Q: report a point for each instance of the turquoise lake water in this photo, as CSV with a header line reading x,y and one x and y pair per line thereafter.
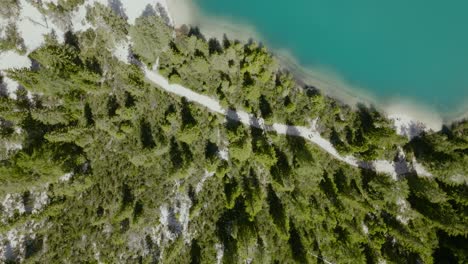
x,y
411,49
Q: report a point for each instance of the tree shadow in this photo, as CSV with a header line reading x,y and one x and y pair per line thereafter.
x,y
336,141
341,181
33,246
397,253
311,91
127,196
449,247
9,253
3,88
129,100
365,117
35,65
124,225
276,209
195,31
256,126
187,118
117,8
424,149
99,211
298,144
367,173
233,120
211,150
234,219
35,132
329,189
214,46
297,247
137,210
88,115
71,39
163,13
28,201
146,135
265,108
149,11
195,252
175,154
112,106
6,127
281,170
247,80
226,42
173,224
93,65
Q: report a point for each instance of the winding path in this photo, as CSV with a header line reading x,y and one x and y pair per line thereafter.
x,y
308,133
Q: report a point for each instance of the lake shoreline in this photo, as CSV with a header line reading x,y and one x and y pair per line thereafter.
x,y
186,12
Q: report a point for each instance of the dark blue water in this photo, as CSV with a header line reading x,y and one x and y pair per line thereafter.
x,y
411,49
